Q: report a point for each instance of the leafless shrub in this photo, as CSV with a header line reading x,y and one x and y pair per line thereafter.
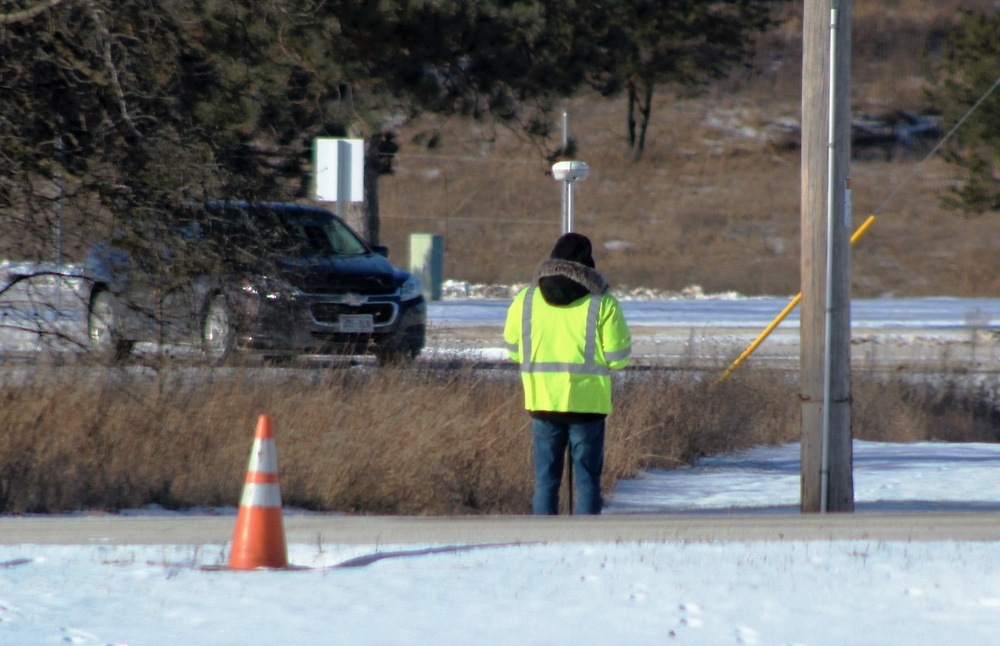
x,y
947,408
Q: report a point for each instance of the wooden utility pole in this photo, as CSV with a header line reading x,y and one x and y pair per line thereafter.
x,y
825,342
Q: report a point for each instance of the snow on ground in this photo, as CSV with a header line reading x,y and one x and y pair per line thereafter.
x,y
710,592
888,477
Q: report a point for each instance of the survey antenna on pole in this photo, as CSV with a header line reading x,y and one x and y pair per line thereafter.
x,y
569,172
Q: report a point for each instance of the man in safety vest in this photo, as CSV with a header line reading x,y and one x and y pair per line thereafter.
x,y
568,333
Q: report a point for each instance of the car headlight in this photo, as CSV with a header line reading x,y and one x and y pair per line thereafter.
x,y
411,288
268,288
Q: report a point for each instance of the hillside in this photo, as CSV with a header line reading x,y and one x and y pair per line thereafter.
x,y
715,200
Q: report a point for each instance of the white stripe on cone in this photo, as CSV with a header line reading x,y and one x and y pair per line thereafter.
x,y
261,495
264,457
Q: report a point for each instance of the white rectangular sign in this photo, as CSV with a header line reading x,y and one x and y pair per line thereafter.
x,y
330,157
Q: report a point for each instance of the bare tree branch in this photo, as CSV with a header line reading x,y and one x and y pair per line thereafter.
x,y
27,14
109,63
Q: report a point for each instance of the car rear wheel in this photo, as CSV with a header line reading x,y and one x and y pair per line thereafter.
x,y
218,335
105,329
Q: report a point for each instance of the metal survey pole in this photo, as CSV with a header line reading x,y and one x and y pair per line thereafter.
x,y
567,192
567,226
568,172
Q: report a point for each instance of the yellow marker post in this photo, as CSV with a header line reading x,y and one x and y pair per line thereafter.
x,y
785,312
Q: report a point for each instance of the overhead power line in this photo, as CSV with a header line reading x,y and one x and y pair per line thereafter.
x,y
940,143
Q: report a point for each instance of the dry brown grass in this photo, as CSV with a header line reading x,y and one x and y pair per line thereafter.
x,y
946,409
706,205
392,441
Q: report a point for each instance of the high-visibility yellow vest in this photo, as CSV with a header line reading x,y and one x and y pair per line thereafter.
x,y
566,353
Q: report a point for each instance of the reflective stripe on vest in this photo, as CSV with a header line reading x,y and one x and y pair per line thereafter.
x,y
589,365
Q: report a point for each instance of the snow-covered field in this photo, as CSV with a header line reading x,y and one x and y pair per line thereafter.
x,y
697,592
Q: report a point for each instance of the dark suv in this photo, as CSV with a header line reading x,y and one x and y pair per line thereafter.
x,y
276,279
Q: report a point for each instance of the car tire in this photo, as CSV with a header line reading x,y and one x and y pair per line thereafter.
x,y
218,334
105,328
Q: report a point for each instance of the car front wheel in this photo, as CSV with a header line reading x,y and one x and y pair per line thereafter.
x,y
218,334
105,328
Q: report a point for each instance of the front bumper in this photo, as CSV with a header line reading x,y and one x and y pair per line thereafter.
x,y
311,324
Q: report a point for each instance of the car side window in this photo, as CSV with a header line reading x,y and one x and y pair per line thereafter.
x,y
344,243
316,241
319,238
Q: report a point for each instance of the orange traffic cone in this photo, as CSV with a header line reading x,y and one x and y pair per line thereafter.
x,y
259,539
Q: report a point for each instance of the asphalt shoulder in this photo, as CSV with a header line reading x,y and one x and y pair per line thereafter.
x,y
185,529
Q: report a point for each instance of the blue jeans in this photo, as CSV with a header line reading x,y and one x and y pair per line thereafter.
x,y
586,442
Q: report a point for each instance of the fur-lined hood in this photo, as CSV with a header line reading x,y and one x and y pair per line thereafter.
x,y
564,281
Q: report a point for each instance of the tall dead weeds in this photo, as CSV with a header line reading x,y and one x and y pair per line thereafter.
x,y
413,441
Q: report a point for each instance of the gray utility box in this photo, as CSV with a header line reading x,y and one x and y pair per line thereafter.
x,y
427,262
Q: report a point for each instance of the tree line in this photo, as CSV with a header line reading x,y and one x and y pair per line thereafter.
x,y
114,112
125,108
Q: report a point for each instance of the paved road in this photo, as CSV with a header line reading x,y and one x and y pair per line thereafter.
x,y
475,530
45,317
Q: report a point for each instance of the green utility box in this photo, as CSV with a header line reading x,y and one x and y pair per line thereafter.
x,y
427,262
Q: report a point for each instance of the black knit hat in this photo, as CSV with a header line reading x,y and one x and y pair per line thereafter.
x,y
574,247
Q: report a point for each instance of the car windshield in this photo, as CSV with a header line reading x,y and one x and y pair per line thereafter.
x,y
317,237
291,234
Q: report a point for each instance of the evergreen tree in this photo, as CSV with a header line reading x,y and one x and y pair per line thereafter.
x,y
129,107
88,118
136,105
646,44
969,73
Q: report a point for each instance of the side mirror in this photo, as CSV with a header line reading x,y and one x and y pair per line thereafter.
x,y
381,250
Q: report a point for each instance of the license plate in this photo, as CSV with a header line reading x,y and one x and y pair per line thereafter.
x,y
356,323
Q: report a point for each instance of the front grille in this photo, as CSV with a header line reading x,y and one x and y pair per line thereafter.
x,y
329,313
334,284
